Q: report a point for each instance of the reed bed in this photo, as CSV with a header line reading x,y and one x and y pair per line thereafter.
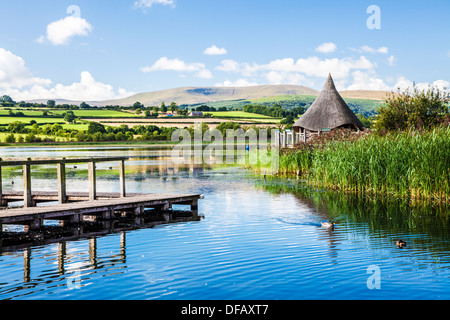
x,y
413,164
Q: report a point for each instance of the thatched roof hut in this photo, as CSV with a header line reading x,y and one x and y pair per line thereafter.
x,y
329,111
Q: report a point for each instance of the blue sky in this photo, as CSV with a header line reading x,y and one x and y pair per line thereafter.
x,y
109,49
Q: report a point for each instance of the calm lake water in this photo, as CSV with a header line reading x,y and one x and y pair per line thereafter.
x,y
259,239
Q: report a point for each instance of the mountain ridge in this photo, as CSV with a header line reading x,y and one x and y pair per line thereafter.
x,y
197,95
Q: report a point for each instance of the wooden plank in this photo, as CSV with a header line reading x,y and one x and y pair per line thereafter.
x,y
92,207
121,178
92,181
27,199
61,175
44,196
1,188
44,161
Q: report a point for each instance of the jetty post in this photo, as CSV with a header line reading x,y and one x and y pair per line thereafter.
x,y
27,197
61,176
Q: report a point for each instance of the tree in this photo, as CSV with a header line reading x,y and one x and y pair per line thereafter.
x,y
16,127
412,108
138,105
6,98
163,107
84,105
51,103
95,127
69,117
173,107
10,138
288,120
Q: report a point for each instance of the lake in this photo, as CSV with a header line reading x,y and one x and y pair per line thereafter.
x,y
258,239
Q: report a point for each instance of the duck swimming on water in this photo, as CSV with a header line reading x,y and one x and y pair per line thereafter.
x,y
328,224
401,243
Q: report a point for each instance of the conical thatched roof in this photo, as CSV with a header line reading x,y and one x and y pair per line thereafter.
x,y
329,111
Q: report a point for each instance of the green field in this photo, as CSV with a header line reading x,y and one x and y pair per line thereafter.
x,y
238,115
79,126
17,135
101,113
28,113
8,120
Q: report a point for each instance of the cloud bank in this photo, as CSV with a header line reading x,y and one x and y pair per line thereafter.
x,y
17,81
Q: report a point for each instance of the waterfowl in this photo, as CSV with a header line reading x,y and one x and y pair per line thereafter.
x,y
401,243
328,224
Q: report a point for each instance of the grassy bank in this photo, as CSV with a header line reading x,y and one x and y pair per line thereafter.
x,y
409,164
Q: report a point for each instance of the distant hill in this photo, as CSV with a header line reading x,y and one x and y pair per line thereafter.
x,y
196,95
192,95
364,101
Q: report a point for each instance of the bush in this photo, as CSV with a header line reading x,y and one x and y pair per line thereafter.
x,y
95,127
412,109
10,138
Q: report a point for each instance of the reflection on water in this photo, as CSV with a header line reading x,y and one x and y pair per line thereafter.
x,y
259,239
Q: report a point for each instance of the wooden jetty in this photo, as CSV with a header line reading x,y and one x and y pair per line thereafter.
x,y
73,208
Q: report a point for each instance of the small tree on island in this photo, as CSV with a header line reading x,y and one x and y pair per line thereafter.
x,y
413,108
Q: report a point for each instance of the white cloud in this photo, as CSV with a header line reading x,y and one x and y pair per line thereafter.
x,y
41,39
326,47
236,83
14,73
61,31
149,3
367,81
403,84
205,74
87,89
311,66
229,66
166,64
18,81
391,60
276,77
368,49
214,50
441,85
300,72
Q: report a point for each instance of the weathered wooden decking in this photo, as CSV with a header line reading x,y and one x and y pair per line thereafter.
x,y
33,217
53,196
73,206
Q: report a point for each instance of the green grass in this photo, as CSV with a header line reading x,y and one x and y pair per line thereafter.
x,y
101,113
78,126
409,164
8,120
406,164
28,113
17,135
238,115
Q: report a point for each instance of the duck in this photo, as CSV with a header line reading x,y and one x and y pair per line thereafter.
x,y
328,224
401,243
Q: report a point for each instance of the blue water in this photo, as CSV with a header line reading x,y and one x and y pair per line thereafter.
x,y
258,240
